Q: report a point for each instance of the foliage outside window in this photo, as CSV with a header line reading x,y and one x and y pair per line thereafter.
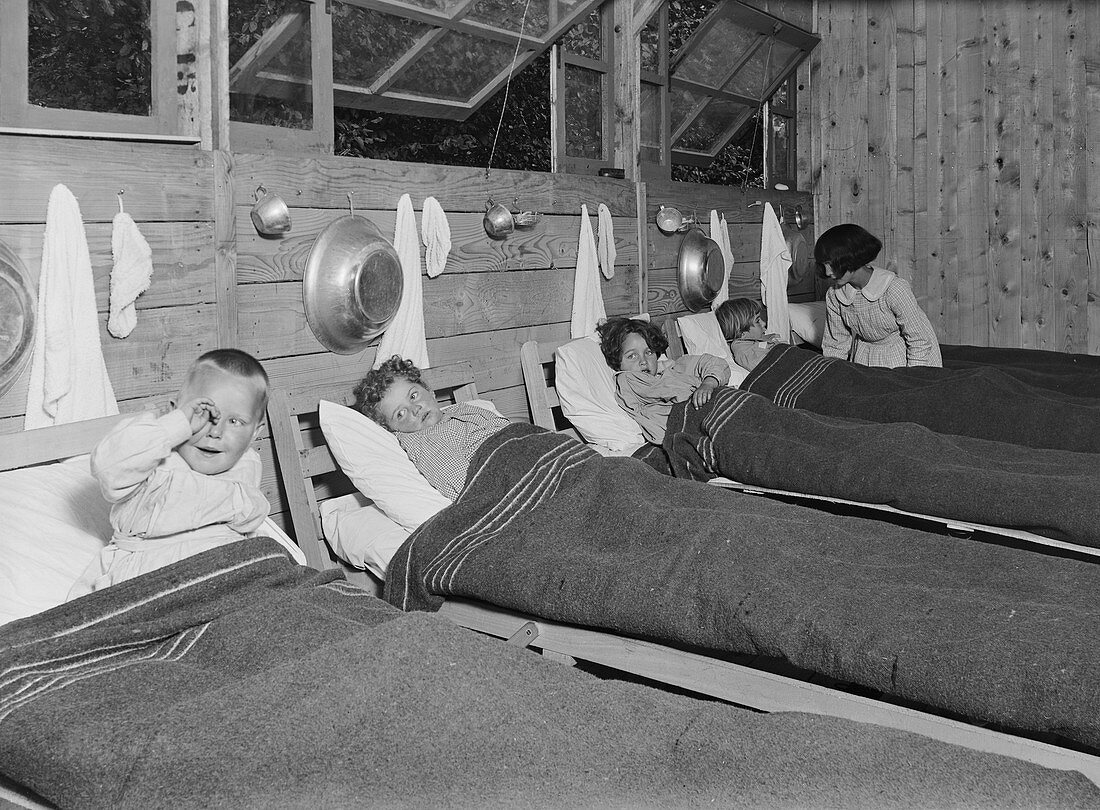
x,y
582,90
270,51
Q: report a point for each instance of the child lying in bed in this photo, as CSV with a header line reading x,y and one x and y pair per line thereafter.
x,y
742,321
187,481
441,442
632,348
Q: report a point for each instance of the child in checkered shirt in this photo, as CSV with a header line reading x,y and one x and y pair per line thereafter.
x,y
441,442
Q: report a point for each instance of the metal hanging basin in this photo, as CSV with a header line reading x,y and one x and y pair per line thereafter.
x,y
701,269
18,313
352,284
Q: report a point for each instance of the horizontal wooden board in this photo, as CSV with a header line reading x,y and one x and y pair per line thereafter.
x,y
162,182
735,204
663,249
152,360
272,322
552,242
183,260
664,291
314,181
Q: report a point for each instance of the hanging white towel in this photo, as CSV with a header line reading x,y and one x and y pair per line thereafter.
x,y
588,309
435,231
605,241
775,265
721,235
130,275
68,377
405,334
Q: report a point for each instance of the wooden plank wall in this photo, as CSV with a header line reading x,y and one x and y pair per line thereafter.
x,y
965,135
744,221
168,192
491,297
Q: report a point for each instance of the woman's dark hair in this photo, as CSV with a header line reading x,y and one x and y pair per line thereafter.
x,y
371,389
846,248
613,332
737,314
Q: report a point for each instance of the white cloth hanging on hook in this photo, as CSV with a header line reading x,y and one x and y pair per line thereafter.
x,y
588,308
68,376
435,232
775,265
405,334
719,232
131,272
605,241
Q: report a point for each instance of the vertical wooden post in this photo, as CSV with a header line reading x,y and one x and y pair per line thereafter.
x,y
324,123
213,72
225,250
627,89
643,248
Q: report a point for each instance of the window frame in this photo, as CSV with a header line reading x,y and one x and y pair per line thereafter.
x,y
560,60
17,113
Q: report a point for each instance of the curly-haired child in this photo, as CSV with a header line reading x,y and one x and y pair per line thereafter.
x,y
646,389
441,442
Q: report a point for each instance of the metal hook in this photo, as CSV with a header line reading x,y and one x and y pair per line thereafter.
x,y
121,191
351,204
755,203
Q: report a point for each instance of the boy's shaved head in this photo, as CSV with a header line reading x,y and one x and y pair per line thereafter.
x,y
235,362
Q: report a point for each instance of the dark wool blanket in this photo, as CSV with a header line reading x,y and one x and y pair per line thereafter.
x,y
750,439
983,402
237,679
548,527
1074,374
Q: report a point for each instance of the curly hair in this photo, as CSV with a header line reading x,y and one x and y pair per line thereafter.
x,y
371,389
613,332
845,248
736,315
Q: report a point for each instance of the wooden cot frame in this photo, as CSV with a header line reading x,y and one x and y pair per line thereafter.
x,y
963,528
290,411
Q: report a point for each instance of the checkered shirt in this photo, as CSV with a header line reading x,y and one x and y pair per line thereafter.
x,y
443,452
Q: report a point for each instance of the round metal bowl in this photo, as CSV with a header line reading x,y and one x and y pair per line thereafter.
x,y
701,269
18,312
352,284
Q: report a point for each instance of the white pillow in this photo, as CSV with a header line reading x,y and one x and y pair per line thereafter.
x,y
703,335
371,457
55,523
361,533
808,321
586,390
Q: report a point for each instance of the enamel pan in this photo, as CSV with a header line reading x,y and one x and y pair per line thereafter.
x,y
700,269
352,284
18,312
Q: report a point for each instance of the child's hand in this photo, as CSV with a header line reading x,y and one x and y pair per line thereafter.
x,y
703,393
201,412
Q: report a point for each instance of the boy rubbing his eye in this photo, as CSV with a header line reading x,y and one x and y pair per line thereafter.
x,y
441,442
187,481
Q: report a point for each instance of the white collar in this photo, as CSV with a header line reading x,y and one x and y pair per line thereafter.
x,y
873,290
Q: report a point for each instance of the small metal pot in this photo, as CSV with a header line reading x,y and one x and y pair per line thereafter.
x,y
270,214
498,220
701,269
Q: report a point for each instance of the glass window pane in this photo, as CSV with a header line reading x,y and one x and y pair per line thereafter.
x,y
583,113
586,37
716,53
508,15
752,79
682,105
366,43
779,98
650,45
781,147
270,69
713,123
684,16
90,56
651,115
456,67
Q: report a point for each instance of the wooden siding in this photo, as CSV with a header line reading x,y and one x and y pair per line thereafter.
x,y
959,132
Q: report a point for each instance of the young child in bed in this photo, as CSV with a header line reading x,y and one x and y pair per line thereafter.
x,y
647,389
441,442
187,481
742,321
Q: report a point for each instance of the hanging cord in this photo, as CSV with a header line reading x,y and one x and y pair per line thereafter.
x,y
760,109
507,87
